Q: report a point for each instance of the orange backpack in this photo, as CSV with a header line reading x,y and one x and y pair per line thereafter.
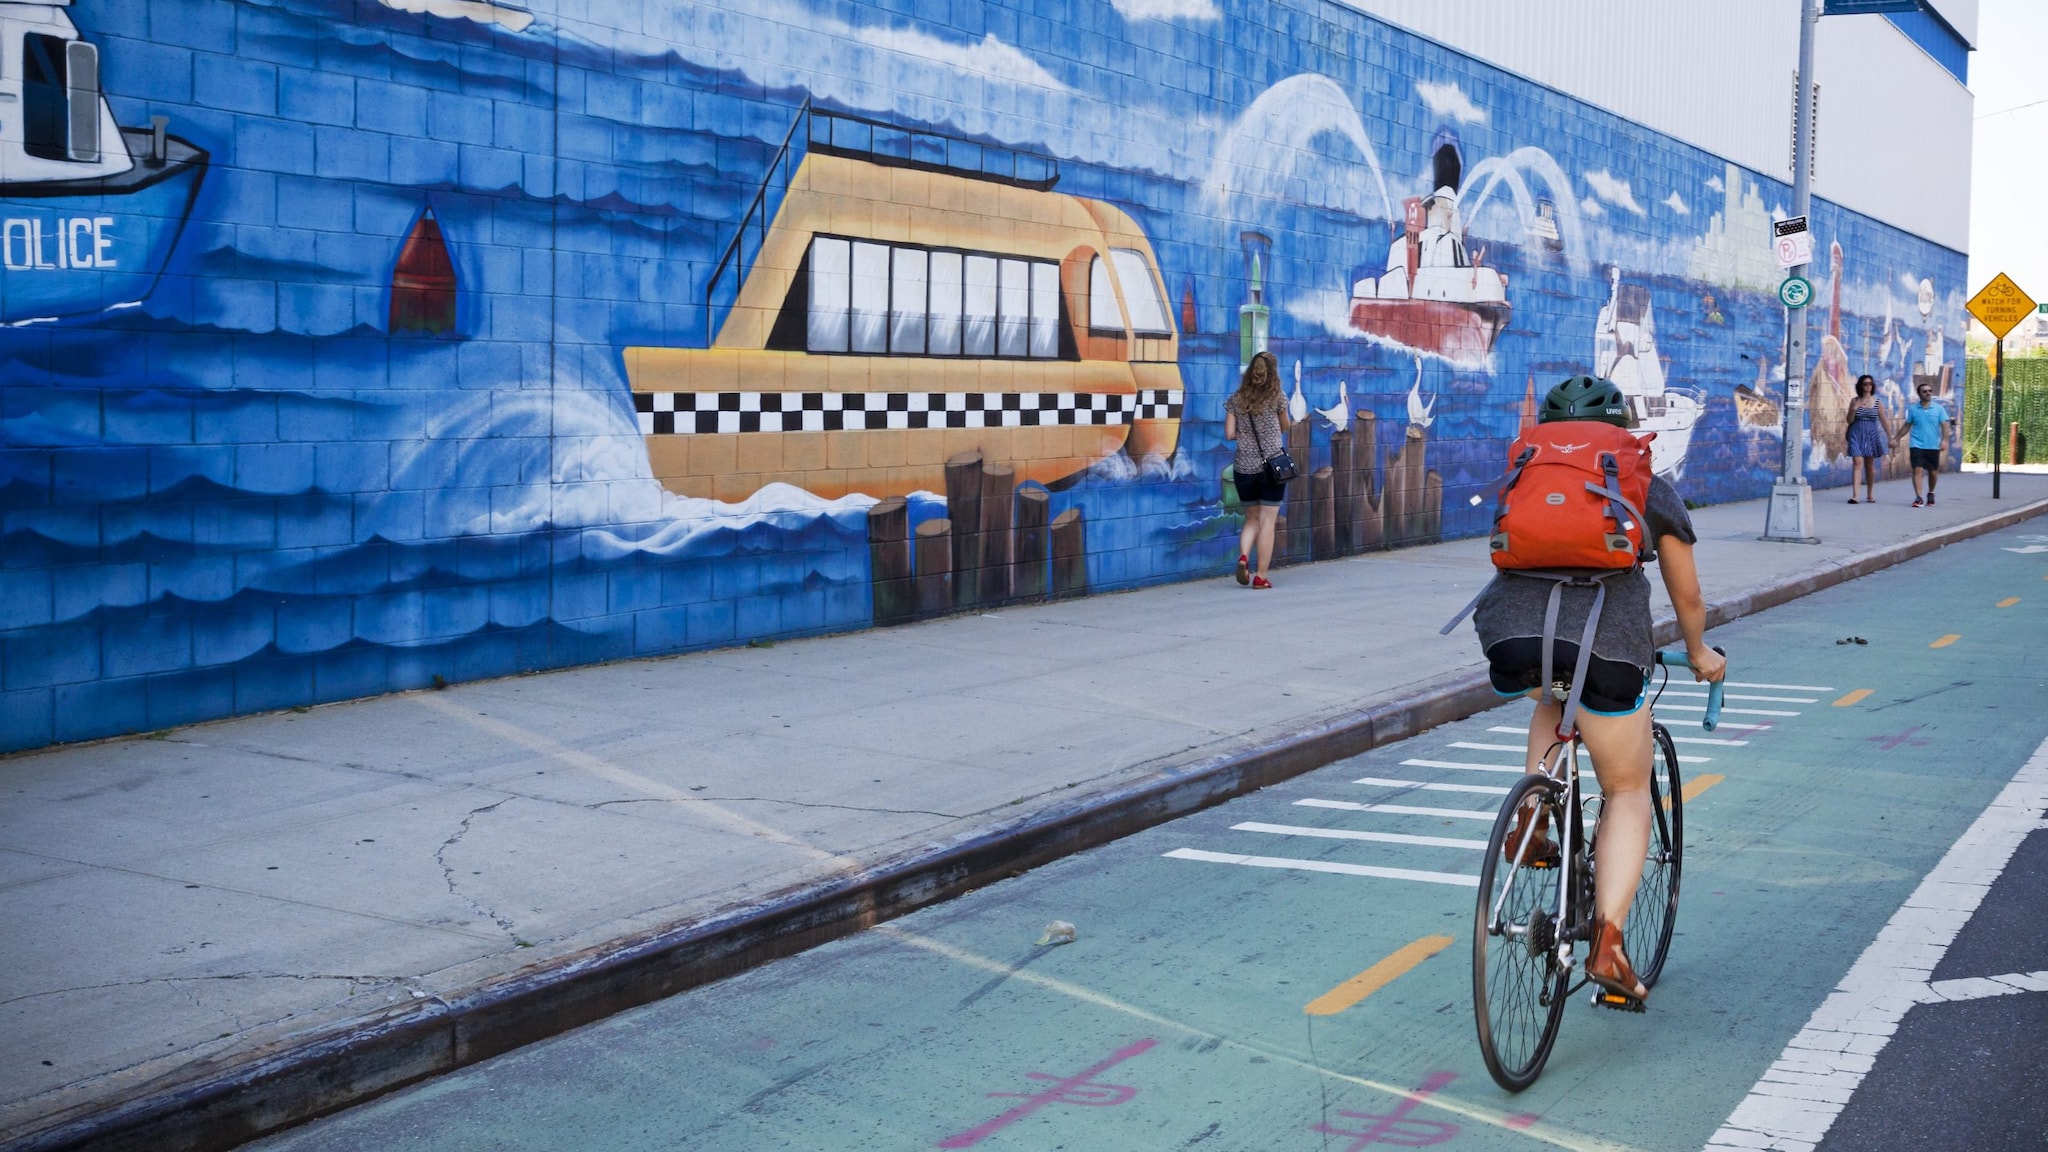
x,y
1574,498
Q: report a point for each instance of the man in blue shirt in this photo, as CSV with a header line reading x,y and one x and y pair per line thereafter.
x,y
1930,422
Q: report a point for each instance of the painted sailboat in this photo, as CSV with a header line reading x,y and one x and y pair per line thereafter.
x,y
1625,351
1433,296
914,297
89,210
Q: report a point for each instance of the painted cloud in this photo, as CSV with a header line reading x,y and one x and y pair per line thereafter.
x,y
1450,100
1136,10
988,56
1677,204
1614,190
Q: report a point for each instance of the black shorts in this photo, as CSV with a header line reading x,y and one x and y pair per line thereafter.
x,y
1612,688
1928,459
1258,488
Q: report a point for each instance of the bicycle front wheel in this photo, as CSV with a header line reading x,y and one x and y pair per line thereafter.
x,y
1647,935
1518,988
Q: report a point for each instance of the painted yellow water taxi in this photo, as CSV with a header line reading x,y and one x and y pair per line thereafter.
x,y
914,297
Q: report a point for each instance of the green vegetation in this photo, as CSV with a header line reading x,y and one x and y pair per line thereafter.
x,y
2026,403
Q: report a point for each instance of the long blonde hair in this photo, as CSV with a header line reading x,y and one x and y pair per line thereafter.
x,y
1256,395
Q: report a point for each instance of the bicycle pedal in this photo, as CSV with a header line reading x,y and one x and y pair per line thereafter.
x,y
1618,1002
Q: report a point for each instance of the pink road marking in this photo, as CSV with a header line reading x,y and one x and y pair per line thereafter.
x,y
1522,1120
1395,1127
1076,1089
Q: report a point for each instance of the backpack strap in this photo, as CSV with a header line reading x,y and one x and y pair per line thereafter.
x,y
1566,722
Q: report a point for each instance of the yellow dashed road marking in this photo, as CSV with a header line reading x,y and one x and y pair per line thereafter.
x,y
1699,784
1376,977
1857,696
2008,602
1947,640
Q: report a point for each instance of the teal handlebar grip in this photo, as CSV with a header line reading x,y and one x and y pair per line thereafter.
x,y
1712,721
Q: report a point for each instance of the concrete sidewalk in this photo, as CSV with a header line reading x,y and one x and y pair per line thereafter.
x,y
218,930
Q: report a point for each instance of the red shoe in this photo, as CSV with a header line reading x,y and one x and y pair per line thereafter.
x,y
1919,503
1608,966
1244,569
1261,582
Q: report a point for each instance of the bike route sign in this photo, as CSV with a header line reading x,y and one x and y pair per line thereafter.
x,y
1795,292
2001,305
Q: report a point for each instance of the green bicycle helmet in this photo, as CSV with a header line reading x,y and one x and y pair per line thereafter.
x,y
1586,398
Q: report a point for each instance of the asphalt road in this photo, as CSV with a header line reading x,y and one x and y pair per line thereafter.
x,y
1291,970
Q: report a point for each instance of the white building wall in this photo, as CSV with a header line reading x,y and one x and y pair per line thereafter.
x,y
1894,134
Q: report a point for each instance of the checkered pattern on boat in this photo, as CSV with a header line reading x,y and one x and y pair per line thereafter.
x,y
700,413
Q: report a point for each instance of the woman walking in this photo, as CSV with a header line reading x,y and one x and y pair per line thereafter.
x,y
1870,438
1256,417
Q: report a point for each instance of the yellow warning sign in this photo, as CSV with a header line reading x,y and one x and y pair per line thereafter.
x,y
2001,305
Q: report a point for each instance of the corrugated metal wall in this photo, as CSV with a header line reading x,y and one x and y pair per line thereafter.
x,y
1894,130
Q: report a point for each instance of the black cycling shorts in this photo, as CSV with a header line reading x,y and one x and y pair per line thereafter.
x,y
1612,687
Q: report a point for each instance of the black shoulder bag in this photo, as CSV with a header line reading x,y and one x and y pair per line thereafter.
x,y
1279,466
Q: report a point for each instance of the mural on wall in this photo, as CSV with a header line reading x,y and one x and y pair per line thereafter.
x,y
350,347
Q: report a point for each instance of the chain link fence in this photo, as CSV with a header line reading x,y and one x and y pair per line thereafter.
x,y
2026,404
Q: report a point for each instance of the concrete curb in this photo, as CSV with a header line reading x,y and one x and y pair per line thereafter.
x,y
216,1107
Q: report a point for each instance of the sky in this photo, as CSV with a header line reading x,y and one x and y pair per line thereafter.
x,y
2009,167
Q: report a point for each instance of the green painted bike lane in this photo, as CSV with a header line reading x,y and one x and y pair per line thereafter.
x,y
1178,1018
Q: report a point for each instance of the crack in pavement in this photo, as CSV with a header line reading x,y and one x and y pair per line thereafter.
x,y
373,980
774,800
448,870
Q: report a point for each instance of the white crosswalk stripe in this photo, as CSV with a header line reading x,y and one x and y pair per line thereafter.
x,y
1353,834
1743,696
1724,711
1379,782
1325,866
1464,766
1778,687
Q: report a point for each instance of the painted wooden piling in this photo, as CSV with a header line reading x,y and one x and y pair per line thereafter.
x,y
1299,509
1069,554
1034,542
998,548
895,596
1432,519
934,568
963,509
1368,524
1343,490
1322,484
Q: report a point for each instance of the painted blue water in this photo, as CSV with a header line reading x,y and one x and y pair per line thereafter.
x,y
245,493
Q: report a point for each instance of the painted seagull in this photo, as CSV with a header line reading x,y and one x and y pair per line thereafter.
x,y
1340,416
1297,404
1419,414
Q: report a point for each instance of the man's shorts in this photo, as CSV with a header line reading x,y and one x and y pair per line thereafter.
x,y
1612,687
1258,488
1928,459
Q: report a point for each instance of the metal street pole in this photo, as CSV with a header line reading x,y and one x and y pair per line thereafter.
x,y
1997,416
1790,517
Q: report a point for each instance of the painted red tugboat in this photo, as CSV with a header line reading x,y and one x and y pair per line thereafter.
x,y
1433,297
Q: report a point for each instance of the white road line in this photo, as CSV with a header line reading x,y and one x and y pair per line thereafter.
x,y
1349,834
1398,809
1779,687
1487,789
1470,746
1741,696
1515,769
1724,711
1797,1099
1709,740
1978,987
1678,739
1451,878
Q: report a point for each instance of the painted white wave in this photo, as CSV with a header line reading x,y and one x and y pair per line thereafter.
x,y
1515,171
481,11
1276,151
1450,100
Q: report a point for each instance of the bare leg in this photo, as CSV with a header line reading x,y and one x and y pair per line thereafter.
x,y
1248,537
1267,515
1919,484
1621,750
1870,478
1543,741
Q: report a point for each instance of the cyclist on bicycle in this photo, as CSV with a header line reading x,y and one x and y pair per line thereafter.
x,y
1510,617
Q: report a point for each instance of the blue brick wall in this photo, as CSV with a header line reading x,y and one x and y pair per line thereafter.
x,y
229,482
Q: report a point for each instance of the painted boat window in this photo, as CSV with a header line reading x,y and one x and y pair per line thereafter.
x,y
831,263
1148,311
1104,314
1045,310
979,336
870,297
896,299
907,303
1015,326
945,297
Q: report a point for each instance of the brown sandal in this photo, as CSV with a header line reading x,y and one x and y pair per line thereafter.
x,y
1608,966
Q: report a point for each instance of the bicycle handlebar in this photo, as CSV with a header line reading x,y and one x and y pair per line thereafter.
x,y
1674,659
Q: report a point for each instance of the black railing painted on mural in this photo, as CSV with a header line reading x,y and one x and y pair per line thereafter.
x,y
838,134
736,259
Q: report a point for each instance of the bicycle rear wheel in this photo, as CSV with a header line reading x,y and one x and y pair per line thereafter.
x,y
1518,989
1647,935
